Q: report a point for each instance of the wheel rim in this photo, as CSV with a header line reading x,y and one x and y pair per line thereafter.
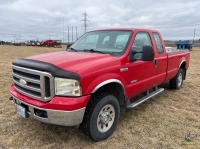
x,y
180,78
106,118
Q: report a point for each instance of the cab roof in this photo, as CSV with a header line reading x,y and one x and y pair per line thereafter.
x,y
128,29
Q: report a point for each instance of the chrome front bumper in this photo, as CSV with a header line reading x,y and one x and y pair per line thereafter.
x,y
57,117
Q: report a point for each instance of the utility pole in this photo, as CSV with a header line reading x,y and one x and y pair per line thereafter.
x,y
85,20
63,30
194,35
68,34
76,33
72,35
16,37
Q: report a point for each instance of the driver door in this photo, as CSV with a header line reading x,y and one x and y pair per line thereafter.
x,y
141,75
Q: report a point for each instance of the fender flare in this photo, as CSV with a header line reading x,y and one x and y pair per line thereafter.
x,y
107,82
181,63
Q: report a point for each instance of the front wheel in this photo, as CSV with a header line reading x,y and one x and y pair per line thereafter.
x,y
177,81
101,117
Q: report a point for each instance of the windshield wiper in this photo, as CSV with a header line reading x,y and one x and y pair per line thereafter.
x,y
73,49
93,50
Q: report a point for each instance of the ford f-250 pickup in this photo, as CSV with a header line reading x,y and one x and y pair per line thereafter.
x,y
90,83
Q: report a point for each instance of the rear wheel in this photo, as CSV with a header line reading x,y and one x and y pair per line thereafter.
x,y
101,117
177,81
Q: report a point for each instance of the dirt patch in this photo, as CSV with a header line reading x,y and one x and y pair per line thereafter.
x,y
161,122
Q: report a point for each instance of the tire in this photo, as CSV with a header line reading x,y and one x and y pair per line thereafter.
x,y
101,117
177,81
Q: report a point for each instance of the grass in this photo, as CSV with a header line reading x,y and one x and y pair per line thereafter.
x,y
161,122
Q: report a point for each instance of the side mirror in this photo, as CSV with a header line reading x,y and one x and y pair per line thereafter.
x,y
135,55
148,54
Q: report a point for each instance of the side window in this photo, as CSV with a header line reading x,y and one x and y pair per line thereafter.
x,y
158,43
141,40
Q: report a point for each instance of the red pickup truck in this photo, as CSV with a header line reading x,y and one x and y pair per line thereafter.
x,y
96,78
50,43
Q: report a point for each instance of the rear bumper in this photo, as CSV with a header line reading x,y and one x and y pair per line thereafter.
x,y
57,117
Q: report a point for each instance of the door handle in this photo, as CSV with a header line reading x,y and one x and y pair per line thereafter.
x,y
156,63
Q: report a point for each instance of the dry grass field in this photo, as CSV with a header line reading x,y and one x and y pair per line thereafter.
x,y
161,122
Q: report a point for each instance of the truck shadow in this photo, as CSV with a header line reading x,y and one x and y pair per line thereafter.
x,y
49,133
54,133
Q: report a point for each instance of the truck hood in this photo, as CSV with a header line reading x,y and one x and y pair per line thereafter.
x,y
78,62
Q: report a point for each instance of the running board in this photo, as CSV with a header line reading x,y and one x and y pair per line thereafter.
x,y
145,98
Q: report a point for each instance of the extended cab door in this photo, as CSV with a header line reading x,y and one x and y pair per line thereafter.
x,y
141,75
160,60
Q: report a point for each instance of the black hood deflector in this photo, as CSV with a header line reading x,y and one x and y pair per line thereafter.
x,y
46,67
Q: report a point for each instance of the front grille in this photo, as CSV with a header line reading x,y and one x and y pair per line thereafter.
x,y
33,83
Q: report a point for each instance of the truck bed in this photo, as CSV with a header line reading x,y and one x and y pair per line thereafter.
x,y
175,59
173,50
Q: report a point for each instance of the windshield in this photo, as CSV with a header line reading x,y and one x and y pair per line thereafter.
x,y
109,42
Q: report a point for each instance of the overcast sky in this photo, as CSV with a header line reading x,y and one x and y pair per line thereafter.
x,y
44,19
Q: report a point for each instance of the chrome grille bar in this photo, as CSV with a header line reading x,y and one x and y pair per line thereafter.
x,y
25,78
32,83
27,87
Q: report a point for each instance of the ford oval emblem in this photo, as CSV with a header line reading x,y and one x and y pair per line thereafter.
x,y
22,82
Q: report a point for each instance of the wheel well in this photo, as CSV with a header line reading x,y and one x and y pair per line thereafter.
x,y
115,89
183,66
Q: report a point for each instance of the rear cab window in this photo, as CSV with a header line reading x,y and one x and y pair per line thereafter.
x,y
158,43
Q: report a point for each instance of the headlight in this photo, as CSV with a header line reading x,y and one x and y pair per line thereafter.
x,y
67,87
